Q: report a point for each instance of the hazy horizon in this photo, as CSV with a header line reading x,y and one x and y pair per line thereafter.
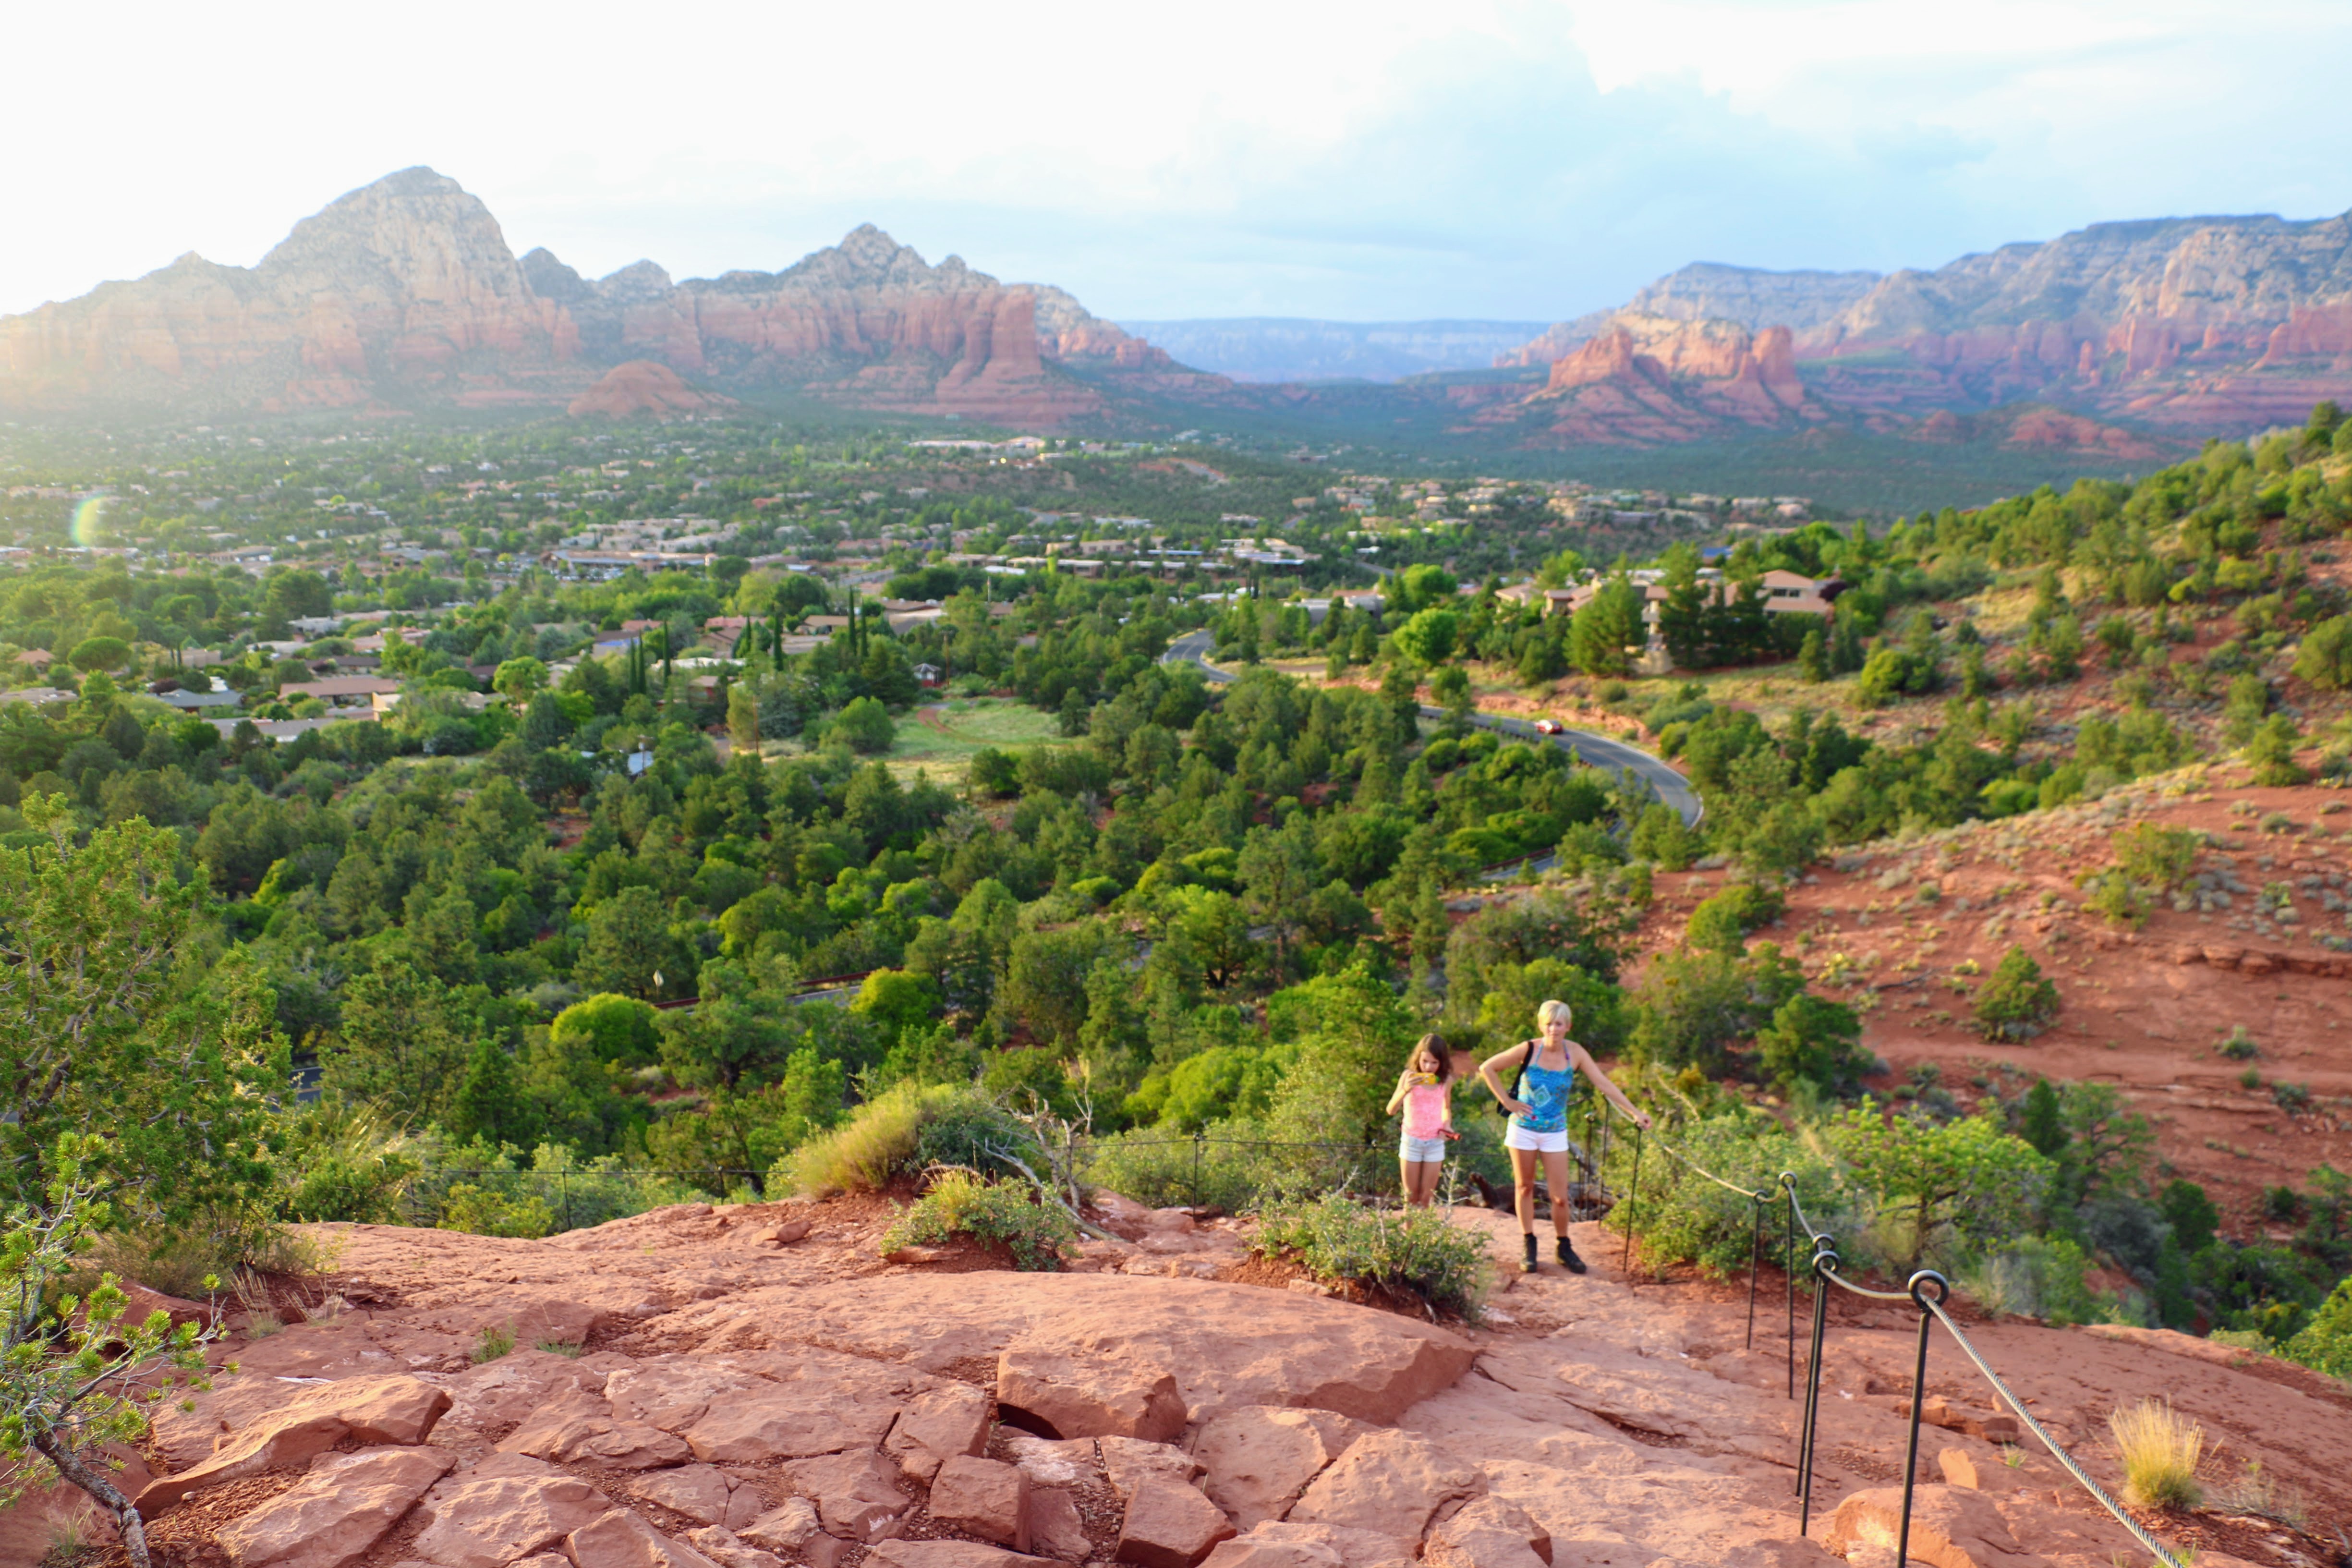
x,y
1501,162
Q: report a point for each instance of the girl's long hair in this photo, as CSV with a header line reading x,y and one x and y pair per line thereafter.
x,y
1433,1046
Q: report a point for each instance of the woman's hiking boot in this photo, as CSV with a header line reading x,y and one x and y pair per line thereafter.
x,y
1568,1257
1529,1266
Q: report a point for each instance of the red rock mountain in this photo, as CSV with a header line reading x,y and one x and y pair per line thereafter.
x,y
2195,324
404,294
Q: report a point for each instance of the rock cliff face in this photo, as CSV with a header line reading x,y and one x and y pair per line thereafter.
x,y
405,293
2195,323
1647,380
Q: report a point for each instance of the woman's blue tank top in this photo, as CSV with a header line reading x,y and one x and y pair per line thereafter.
x,y
1546,1093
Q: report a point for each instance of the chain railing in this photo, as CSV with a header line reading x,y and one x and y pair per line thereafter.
x,y
1925,1290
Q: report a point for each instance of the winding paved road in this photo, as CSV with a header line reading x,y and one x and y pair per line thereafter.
x,y
1593,751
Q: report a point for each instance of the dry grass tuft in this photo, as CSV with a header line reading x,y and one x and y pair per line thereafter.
x,y
2159,1448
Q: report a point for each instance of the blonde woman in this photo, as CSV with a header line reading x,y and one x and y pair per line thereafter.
x,y
1425,1089
1547,1068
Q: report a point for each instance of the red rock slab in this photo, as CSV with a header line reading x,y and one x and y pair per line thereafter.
x,y
1056,1527
338,1511
1228,1345
1055,1393
1494,1516
982,1497
1170,1526
949,1554
579,1429
936,1427
477,1519
786,1424
1351,1548
1391,1482
704,1494
395,1409
1950,1528
622,1539
1258,1457
857,1494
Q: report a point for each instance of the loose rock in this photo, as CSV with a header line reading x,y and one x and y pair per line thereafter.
x,y
1056,1393
937,1425
334,1514
986,1498
857,1495
1170,1525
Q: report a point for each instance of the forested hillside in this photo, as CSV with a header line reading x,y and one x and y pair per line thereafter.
x,y
675,919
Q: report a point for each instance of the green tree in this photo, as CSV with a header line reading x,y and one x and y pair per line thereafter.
x,y
866,725
743,719
1356,1032
516,678
74,1374
489,1106
2015,1003
115,1030
2325,659
2324,1344
1812,658
103,653
1813,1041
1725,919
617,1029
2194,1219
2042,1122
1601,635
1045,983
629,947
399,1047
1965,1174
1429,638
1419,587
896,1001
2272,753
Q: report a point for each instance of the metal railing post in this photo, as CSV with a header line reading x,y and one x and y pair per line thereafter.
x,y
1918,1407
1824,1258
1632,1205
1755,1252
1788,1265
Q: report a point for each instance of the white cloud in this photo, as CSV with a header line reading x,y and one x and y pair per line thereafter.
x,y
1519,158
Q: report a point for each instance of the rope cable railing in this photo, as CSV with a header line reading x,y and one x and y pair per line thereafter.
x,y
1925,1290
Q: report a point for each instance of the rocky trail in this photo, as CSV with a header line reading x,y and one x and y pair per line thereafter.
x,y
748,1387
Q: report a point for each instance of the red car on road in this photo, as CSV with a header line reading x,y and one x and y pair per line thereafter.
x,y
1547,727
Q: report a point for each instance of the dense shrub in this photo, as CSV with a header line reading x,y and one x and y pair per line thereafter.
x,y
2326,1342
2015,1003
1725,919
1415,1250
959,1203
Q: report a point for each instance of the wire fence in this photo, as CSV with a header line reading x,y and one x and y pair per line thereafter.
x,y
1926,1289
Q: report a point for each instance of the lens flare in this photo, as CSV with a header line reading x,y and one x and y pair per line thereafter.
x,y
89,520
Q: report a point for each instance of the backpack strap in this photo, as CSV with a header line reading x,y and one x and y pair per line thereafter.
x,y
1527,1049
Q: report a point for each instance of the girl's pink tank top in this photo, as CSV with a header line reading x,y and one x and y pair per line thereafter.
x,y
1424,1110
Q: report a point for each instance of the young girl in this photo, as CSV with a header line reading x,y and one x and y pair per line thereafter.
x,y
1425,1089
1546,1067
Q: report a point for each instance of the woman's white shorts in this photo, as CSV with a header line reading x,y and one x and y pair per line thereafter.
x,y
1420,1151
1517,1137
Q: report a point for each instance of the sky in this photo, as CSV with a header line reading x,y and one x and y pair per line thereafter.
x,y
1377,160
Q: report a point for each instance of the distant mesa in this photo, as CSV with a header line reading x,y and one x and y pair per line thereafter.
x,y
404,295
643,386
2181,323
